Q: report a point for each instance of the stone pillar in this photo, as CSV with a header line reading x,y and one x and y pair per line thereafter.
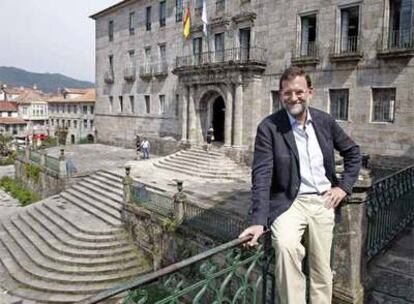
x,y
127,186
184,116
191,116
238,116
62,164
43,175
229,116
179,200
349,262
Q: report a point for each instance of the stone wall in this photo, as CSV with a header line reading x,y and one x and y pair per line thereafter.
x,y
48,182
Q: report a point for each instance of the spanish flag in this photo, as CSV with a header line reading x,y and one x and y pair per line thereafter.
x,y
187,23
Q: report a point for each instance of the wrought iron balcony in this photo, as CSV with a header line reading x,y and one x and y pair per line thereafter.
x,y
160,69
349,50
399,43
129,73
109,76
306,54
145,71
244,56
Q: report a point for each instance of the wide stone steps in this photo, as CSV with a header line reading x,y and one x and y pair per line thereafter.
x,y
69,246
62,230
96,209
104,234
198,162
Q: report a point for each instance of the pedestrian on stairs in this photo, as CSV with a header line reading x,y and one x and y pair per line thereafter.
x,y
145,145
210,137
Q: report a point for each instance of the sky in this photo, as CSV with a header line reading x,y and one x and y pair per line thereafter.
x,y
54,36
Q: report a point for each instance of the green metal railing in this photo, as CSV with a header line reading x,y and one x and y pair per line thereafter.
x,y
34,157
390,208
157,202
225,274
217,224
212,222
52,163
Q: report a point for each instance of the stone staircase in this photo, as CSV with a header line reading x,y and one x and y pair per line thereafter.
x,y
68,246
198,162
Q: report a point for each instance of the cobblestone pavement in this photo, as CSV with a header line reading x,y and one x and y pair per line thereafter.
x,y
88,158
392,273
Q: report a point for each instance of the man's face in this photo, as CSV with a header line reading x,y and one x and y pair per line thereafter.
x,y
296,95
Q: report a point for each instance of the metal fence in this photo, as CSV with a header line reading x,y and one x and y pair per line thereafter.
x,y
233,55
34,157
159,203
52,163
390,209
224,274
213,222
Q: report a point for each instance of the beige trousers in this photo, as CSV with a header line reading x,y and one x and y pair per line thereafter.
x,y
307,211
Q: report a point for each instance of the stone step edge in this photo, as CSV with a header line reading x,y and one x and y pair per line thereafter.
x,y
99,214
102,233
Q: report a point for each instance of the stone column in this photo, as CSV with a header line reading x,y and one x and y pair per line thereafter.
x,y
349,262
184,116
238,115
191,116
179,200
62,164
228,116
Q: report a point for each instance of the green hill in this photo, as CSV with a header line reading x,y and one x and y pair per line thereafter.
x,y
46,82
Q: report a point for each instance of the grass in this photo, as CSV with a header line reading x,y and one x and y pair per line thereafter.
x,y
18,191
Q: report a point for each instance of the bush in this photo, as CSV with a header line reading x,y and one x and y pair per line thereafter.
x,y
9,160
32,172
48,143
18,191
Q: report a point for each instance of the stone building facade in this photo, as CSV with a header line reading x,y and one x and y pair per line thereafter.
x,y
152,81
72,113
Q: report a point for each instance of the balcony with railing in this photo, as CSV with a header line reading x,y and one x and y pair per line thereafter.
x,y
399,43
129,73
109,76
253,56
349,50
306,54
160,69
145,71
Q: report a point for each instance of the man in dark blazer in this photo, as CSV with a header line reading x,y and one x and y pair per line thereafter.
x,y
295,188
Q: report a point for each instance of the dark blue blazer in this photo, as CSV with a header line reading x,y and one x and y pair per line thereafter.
x,y
276,172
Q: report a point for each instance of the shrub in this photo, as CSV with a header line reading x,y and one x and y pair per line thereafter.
x,y
18,191
9,160
32,172
48,143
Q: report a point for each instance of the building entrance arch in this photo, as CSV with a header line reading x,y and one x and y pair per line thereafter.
x,y
218,111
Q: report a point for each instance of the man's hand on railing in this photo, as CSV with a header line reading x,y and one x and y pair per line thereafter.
x,y
255,231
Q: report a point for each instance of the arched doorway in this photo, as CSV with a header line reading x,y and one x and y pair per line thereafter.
x,y
218,115
89,138
72,139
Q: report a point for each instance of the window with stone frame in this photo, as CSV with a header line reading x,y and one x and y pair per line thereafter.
x,y
162,104
85,123
162,13
198,7
111,103
177,104
111,30
148,18
75,124
383,104
147,104
276,102
308,36
121,103
131,23
349,29
91,109
400,24
339,103
85,109
179,10
132,103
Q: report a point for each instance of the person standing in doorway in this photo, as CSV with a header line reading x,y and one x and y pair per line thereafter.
x,y
295,188
210,137
145,145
